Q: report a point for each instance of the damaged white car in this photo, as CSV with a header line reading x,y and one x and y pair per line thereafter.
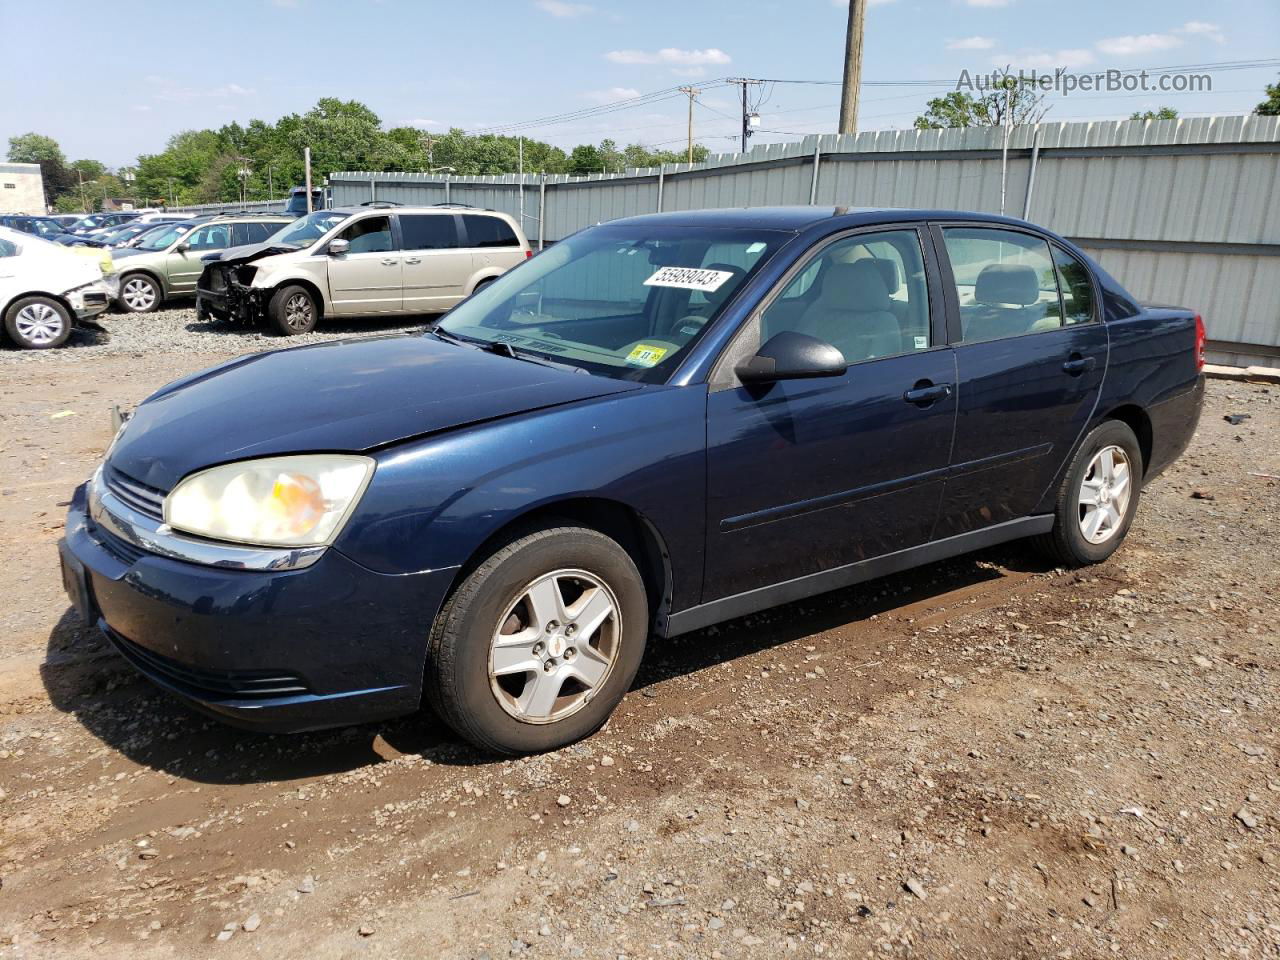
x,y
45,289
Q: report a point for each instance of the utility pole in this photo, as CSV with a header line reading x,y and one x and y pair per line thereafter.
x,y
306,161
521,174
852,67
748,119
692,94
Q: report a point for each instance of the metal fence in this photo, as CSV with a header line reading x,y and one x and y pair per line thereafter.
x,y
1181,211
249,206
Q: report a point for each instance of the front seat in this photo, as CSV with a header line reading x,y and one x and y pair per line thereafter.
x,y
853,312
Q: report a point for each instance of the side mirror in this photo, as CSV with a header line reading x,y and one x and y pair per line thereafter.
x,y
338,247
792,356
183,247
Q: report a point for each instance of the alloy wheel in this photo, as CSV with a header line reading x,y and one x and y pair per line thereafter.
x,y
298,311
1105,492
555,646
39,324
138,294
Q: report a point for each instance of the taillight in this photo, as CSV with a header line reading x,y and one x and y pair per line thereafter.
x,y
528,253
1199,343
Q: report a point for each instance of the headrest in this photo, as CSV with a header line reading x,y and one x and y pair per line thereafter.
x,y
889,272
855,286
1014,283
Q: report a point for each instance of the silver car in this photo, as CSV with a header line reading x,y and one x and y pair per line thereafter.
x,y
167,262
374,259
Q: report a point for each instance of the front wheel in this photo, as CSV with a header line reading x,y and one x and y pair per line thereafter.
x,y
1098,497
292,311
37,323
538,645
140,293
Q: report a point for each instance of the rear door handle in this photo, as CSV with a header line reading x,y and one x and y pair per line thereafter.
x,y
925,393
414,260
1077,364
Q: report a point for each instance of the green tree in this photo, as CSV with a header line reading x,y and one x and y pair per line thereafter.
x,y
1269,107
585,159
1022,100
1164,113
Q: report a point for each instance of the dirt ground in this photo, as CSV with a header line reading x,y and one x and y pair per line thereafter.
x,y
982,758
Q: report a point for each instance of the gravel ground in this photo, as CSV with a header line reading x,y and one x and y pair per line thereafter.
x,y
176,331
982,758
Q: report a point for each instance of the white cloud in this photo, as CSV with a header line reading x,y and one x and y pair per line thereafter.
x,y
558,8
971,43
1138,43
1044,60
1200,28
180,94
669,55
612,94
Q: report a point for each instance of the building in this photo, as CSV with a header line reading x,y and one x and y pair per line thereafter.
x,y
21,188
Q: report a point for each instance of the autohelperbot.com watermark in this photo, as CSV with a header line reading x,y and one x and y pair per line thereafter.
x,y
1066,82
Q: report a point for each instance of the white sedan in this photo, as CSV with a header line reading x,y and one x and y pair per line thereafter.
x,y
46,288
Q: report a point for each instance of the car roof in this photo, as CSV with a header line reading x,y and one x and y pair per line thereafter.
x,y
796,218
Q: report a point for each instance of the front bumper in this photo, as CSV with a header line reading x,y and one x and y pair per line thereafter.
x,y
328,645
90,300
229,300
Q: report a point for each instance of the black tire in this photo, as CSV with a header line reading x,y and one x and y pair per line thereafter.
x,y
458,684
143,290
37,323
1066,544
293,310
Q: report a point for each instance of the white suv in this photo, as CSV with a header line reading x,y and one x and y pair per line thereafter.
x,y
378,258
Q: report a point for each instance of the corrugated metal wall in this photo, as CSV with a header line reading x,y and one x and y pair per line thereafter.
x,y
1181,211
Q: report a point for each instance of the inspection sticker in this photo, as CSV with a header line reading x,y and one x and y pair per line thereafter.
x,y
689,278
646,355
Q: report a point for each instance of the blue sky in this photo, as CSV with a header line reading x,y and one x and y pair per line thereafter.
x,y
491,62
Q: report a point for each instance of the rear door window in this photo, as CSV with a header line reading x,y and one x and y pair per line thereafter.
x,y
429,231
1006,283
483,231
1077,289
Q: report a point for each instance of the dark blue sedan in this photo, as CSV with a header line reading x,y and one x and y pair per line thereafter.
x,y
657,424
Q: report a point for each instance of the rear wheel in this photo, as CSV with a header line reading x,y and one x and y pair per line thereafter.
x,y
140,293
1098,497
37,323
292,310
538,645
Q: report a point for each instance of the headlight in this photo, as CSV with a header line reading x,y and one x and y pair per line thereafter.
x,y
298,501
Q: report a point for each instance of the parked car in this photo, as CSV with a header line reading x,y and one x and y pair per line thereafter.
x,y
657,424
47,228
166,263
46,289
97,221
67,219
297,203
360,261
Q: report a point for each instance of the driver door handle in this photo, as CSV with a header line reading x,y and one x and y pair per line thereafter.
x,y
413,260
390,261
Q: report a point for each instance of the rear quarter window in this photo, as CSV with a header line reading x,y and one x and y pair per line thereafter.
x,y
484,231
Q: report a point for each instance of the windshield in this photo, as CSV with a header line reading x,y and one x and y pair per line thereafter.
x,y
159,239
304,232
626,302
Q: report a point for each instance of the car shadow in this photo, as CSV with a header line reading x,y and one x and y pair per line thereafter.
x,y
366,326
84,676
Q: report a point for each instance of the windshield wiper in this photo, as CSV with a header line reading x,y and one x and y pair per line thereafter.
x,y
503,349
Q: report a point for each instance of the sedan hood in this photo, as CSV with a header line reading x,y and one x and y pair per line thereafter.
x,y
345,395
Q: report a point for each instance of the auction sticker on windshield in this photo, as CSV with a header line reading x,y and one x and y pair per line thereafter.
x,y
646,355
689,278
